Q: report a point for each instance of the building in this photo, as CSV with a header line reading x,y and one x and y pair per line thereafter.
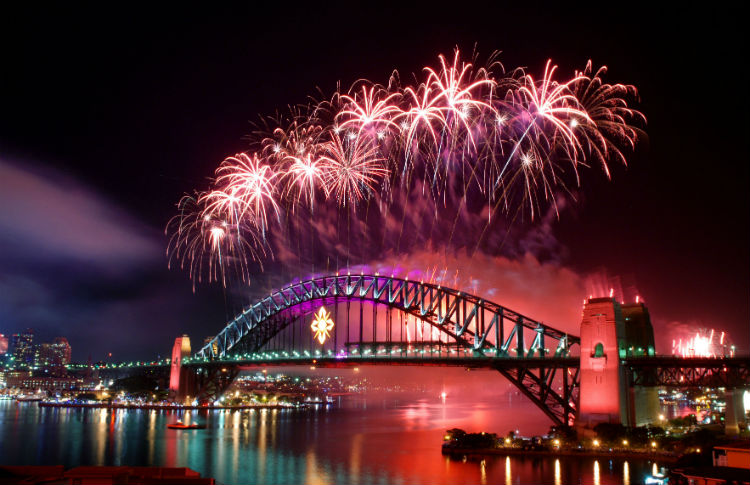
x,y
26,381
49,384
3,344
735,455
23,347
53,357
62,350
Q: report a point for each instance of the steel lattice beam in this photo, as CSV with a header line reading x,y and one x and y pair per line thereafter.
x,y
471,321
686,372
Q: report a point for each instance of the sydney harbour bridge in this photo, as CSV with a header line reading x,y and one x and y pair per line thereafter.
x,y
607,373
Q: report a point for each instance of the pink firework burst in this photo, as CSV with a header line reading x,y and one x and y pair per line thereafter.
x,y
352,168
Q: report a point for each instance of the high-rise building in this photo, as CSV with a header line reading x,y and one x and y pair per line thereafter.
x,y
3,344
53,357
62,350
23,347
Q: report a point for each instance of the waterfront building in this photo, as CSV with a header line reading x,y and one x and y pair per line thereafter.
x,y
735,455
27,382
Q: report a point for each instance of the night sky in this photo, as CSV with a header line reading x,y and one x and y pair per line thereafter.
x,y
109,114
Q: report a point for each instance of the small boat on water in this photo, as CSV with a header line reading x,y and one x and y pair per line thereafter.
x,y
181,425
30,398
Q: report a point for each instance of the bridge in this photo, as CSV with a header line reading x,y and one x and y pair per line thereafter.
x,y
607,374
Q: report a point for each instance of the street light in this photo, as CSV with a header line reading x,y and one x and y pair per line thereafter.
x,y
596,443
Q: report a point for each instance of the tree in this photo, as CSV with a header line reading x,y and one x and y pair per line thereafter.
x,y
610,432
140,386
566,434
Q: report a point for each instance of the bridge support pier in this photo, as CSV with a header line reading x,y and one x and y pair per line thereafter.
x,y
181,380
734,412
611,332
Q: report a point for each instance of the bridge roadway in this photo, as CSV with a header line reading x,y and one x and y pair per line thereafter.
x,y
549,382
323,361
669,371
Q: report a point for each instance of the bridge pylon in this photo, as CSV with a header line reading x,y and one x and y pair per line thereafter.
x,y
611,332
180,378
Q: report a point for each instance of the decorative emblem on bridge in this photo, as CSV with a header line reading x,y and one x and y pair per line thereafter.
x,y
322,325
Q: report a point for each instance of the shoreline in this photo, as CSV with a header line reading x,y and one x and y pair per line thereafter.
x,y
479,452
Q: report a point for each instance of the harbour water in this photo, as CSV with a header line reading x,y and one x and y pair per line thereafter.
x,y
355,441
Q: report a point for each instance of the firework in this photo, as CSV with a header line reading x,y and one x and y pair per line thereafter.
x,y
375,111
246,192
419,150
609,114
352,168
459,98
704,343
209,247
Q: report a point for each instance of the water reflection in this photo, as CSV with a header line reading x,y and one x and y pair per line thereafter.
x,y
597,478
359,442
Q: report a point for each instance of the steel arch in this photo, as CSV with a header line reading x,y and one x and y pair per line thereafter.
x,y
476,324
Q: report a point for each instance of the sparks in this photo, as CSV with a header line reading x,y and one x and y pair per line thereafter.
x,y
463,131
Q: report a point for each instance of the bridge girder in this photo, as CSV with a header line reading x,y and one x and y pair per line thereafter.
x,y
473,324
730,372
472,321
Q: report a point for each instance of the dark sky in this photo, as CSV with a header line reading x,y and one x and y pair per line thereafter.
x,y
108,113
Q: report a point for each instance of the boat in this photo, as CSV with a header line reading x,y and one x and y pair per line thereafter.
x,y
31,398
181,425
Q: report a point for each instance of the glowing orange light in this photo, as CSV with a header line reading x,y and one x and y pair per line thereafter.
x,y
322,325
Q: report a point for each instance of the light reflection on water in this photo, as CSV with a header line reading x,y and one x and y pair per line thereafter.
x,y
357,441
625,474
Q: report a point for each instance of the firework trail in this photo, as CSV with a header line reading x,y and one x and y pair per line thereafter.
x,y
398,166
210,246
704,343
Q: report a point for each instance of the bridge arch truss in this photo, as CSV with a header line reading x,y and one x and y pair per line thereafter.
x,y
465,329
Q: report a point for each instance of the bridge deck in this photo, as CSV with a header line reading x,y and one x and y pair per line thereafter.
x,y
466,362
